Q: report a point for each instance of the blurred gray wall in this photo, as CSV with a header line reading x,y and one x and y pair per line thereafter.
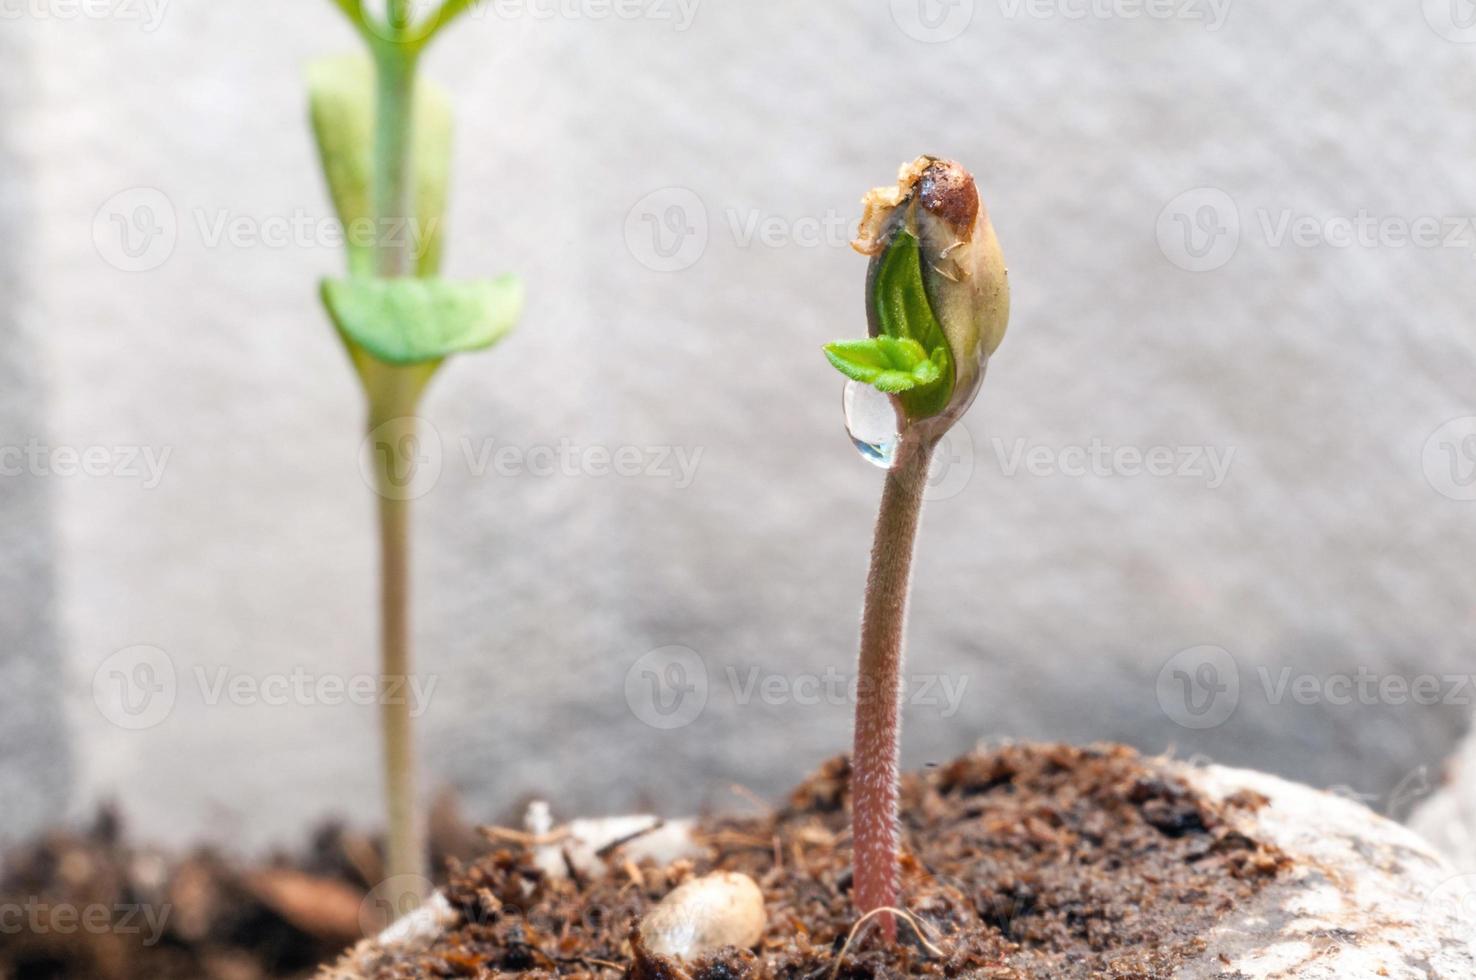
x,y
36,774
677,189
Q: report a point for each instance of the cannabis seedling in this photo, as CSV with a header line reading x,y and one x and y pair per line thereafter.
x,y
937,302
384,141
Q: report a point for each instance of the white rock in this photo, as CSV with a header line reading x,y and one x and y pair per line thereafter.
x,y
1366,899
1448,818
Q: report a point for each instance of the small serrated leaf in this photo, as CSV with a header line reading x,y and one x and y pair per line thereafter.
x,y
889,364
415,321
342,100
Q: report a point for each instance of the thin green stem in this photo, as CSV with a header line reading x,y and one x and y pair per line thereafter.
x,y
405,853
874,757
393,186
393,395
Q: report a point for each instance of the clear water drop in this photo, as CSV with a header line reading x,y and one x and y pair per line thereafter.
x,y
871,422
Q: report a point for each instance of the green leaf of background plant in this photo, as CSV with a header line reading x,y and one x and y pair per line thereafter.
x,y
901,303
415,321
342,101
889,364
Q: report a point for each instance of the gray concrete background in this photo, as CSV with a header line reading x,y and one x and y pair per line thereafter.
x,y
1056,604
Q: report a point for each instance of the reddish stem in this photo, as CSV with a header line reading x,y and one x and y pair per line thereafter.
x,y
874,760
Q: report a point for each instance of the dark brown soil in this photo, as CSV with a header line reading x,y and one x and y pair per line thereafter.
x,y
1023,862
91,905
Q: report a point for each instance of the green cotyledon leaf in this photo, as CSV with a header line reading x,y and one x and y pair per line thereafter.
x,y
342,101
903,311
890,364
416,321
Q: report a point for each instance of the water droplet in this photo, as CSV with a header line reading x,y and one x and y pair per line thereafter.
x,y
871,422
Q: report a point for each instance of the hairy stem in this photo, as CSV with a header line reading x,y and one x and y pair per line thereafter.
x,y
393,395
883,624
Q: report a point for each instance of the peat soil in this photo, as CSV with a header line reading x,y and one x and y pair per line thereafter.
x,y
1024,861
